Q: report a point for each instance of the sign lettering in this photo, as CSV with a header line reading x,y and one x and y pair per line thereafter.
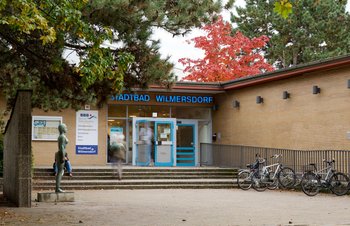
x,y
164,98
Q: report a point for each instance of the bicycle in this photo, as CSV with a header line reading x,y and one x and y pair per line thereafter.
x,y
284,176
312,181
245,177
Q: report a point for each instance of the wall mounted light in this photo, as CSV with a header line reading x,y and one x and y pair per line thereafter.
x,y
235,104
259,100
286,95
349,84
215,107
316,90
214,137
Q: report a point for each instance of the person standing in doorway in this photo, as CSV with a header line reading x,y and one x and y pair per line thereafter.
x,y
148,141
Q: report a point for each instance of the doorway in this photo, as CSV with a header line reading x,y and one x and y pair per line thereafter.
x,y
187,143
153,141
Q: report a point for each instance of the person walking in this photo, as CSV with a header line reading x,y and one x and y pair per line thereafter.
x,y
118,151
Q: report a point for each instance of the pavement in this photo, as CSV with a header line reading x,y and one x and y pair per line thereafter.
x,y
184,207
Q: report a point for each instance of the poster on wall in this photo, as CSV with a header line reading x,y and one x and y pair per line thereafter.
x,y
86,133
45,127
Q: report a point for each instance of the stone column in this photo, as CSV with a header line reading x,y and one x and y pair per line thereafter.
x,y
17,152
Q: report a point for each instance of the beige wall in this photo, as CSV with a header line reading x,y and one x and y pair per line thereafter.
x,y
44,151
305,121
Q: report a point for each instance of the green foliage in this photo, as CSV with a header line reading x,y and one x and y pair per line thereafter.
x,y
310,33
112,40
283,7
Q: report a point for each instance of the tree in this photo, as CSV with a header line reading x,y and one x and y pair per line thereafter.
x,y
34,35
226,57
315,30
283,7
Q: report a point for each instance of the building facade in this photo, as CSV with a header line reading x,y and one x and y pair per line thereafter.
x,y
176,121
304,107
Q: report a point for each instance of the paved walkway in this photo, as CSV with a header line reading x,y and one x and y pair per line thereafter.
x,y
187,207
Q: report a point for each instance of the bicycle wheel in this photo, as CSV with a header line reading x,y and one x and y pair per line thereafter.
x,y
339,184
310,184
243,180
286,177
257,184
272,184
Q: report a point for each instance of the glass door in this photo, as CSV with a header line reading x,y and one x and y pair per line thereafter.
x,y
164,143
153,141
143,142
185,145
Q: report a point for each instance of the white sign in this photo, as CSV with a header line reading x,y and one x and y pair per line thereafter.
x,y
87,132
45,127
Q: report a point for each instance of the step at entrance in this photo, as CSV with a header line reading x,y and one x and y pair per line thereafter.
x,y
138,178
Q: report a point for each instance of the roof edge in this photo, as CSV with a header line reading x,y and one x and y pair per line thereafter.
x,y
287,72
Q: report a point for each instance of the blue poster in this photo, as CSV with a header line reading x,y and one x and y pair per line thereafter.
x,y
86,149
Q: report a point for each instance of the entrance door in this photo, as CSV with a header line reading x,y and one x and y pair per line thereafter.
x,y
143,142
153,139
164,143
185,145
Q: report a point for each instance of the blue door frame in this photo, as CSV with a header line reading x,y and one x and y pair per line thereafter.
x,y
159,143
186,155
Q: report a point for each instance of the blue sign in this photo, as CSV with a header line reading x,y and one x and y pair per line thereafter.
x,y
132,97
184,99
86,149
39,123
116,129
164,98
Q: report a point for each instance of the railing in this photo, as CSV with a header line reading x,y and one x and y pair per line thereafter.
x,y
238,156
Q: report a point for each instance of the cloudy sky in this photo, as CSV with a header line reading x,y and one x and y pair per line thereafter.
x,y
178,48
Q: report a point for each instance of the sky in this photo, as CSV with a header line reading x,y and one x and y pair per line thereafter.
x,y
177,47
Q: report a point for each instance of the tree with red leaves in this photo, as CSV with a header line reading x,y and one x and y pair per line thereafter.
x,y
226,57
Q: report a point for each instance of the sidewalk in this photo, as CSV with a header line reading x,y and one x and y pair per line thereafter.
x,y
185,207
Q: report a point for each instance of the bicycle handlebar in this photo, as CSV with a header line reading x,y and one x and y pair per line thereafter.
x,y
329,162
276,156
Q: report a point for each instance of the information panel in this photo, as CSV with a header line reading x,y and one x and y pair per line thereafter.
x,y
45,127
87,132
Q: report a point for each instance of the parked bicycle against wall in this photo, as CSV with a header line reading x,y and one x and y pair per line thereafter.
x,y
271,179
245,177
312,180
